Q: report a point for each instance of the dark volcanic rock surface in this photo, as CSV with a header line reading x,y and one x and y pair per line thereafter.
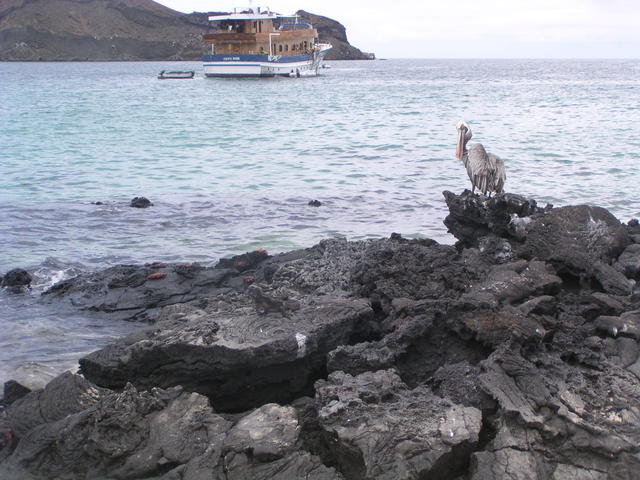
x,y
474,217
13,391
581,241
134,292
513,355
238,358
166,434
16,279
383,429
140,202
62,396
575,238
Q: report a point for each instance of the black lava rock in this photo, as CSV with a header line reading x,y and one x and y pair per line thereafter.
x,y
244,262
140,202
514,354
14,391
16,278
315,203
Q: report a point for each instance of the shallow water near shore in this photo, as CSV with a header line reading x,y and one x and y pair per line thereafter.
x,y
230,165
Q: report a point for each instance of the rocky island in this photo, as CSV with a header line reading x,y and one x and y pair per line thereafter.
x,y
117,30
511,355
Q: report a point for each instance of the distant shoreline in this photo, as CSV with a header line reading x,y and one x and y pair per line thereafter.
x,y
347,60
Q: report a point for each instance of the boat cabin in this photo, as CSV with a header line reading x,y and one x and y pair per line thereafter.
x,y
257,32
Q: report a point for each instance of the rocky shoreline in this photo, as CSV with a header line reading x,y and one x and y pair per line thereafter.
x,y
512,355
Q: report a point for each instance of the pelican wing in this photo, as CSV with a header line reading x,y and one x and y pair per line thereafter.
x,y
499,174
479,167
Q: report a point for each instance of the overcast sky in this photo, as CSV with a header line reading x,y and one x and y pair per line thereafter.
x,y
471,28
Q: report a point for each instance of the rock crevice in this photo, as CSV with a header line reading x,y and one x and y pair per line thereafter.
x,y
512,355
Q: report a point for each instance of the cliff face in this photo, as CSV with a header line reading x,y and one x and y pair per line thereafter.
x,y
96,30
67,30
334,33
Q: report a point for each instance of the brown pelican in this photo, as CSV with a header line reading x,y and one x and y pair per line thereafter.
x,y
486,171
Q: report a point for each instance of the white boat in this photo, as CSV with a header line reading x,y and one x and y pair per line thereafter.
x,y
164,74
261,43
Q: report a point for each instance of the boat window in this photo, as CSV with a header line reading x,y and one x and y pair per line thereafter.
x,y
280,47
260,26
286,48
255,26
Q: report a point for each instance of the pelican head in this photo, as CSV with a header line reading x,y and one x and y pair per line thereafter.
x,y
464,135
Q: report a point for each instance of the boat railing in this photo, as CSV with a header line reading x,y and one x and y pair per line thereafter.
x,y
295,26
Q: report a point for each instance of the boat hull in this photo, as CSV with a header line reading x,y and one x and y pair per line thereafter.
x,y
262,65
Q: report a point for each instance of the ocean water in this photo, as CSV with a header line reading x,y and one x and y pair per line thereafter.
x,y
230,165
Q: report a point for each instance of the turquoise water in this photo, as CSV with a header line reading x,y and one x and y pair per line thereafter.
x,y
231,164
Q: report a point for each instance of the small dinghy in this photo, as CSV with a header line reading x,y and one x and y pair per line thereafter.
x,y
165,75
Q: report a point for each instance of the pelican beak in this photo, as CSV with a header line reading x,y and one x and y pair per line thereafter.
x,y
460,143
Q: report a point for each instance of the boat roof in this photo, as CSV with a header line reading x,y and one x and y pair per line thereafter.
x,y
249,14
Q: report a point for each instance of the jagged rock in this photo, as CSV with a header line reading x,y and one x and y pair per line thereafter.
x,y
612,280
416,270
512,283
379,428
13,391
621,351
544,304
517,358
610,304
472,217
627,324
165,434
629,261
132,292
140,202
575,238
16,279
459,382
295,465
492,328
124,435
66,394
582,241
499,248
552,412
419,343
239,358
268,433
266,444
244,262
360,358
